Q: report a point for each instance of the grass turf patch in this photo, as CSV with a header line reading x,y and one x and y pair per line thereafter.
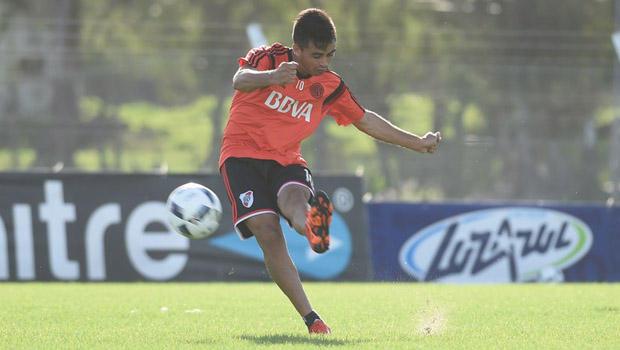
x,y
257,315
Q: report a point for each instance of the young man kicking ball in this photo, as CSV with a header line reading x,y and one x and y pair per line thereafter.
x,y
282,95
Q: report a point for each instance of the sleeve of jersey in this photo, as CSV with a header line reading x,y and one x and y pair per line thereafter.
x,y
343,106
257,58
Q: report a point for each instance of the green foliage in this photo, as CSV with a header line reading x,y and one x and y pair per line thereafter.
x,y
143,50
349,142
91,159
412,112
17,158
520,82
178,137
174,138
90,108
474,120
605,117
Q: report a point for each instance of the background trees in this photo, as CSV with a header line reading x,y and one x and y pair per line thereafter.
x,y
521,90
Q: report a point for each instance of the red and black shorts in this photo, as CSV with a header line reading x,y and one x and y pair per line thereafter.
x,y
253,186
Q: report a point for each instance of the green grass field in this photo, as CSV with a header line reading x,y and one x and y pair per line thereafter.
x,y
257,316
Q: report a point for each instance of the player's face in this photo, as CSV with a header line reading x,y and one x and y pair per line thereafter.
x,y
312,60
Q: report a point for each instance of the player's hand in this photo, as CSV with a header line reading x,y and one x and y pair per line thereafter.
x,y
430,142
285,74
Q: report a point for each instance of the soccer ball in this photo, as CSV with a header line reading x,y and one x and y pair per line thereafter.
x,y
194,210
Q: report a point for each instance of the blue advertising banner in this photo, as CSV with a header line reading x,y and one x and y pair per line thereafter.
x,y
114,227
494,243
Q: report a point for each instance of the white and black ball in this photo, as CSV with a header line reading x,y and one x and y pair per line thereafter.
x,y
194,210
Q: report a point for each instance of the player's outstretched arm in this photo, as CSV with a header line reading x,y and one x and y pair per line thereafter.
x,y
248,79
382,130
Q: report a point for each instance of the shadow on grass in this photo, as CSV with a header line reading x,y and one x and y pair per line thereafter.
x,y
295,339
202,342
607,309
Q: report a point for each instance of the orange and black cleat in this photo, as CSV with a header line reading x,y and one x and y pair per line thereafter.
x,y
319,327
318,219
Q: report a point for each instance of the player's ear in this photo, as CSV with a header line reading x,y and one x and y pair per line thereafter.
x,y
296,49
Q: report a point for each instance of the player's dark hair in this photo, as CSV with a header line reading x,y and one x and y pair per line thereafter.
x,y
313,26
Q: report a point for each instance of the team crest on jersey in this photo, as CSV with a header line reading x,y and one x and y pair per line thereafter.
x,y
247,198
316,90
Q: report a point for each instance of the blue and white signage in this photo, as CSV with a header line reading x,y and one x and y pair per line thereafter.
x,y
505,244
320,266
113,227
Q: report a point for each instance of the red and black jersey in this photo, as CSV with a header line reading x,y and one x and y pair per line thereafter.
x,y
271,122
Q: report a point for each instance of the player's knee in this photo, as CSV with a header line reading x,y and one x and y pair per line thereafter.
x,y
266,230
272,243
293,197
269,234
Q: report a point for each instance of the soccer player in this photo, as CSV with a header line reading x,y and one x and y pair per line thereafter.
x,y
282,95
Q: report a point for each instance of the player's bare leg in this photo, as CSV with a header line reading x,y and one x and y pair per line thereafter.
x,y
266,228
293,203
